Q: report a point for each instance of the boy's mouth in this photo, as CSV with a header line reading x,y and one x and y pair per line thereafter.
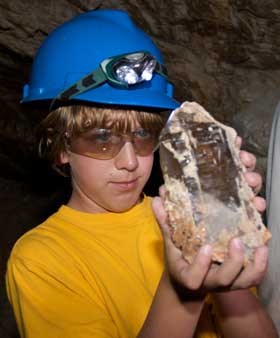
x,y
125,185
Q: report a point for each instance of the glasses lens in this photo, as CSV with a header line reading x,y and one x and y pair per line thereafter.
x,y
101,144
104,144
144,141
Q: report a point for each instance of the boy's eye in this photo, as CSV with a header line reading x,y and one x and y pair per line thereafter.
x,y
142,133
105,136
101,135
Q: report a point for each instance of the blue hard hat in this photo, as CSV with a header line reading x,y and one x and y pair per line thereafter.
x,y
78,46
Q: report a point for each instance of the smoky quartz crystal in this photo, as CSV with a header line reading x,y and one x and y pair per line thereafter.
x,y
207,197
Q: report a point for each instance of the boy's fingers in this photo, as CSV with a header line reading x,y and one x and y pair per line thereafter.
x,y
254,180
260,204
224,276
161,217
249,160
194,276
162,191
254,272
173,255
160,214
189,275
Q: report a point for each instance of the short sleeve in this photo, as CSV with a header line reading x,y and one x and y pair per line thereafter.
x,y
48,304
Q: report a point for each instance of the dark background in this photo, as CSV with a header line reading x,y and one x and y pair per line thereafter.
x,y
224,54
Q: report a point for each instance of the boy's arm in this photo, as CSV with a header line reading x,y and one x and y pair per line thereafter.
x,y
241,315
49,300
171,315
176,306
170,311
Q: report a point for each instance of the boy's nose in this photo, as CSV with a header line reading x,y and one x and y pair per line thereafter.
x,y
126,158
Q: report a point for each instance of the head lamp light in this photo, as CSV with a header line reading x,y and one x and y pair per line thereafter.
x,y
135,68
120,71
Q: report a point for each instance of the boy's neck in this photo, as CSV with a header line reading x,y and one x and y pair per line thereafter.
x,y
86,205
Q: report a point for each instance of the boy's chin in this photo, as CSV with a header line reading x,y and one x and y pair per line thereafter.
x,y
124,206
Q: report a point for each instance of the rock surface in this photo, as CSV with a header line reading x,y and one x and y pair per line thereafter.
x,y
222,54
207,198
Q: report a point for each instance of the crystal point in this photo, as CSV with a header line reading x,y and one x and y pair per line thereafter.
x,y
207,197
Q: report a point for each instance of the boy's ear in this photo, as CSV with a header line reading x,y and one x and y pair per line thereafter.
x,y
64,157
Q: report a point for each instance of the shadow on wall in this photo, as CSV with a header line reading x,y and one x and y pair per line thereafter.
x,y
30,192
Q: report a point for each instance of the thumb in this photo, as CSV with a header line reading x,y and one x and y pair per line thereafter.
x,y
161,216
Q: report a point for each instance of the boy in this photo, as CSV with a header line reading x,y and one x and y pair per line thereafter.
x,y
97,267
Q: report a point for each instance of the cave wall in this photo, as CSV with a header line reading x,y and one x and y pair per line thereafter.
x,y
223,54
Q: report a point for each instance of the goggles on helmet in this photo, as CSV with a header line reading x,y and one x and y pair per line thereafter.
x,y
104,144
120,71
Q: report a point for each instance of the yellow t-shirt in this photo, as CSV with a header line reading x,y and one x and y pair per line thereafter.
x,y
80,275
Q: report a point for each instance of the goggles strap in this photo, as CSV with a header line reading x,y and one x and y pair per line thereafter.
x,y
161,69
95,79
91,80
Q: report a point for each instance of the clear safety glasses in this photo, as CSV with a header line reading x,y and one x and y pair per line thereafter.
x,y
121,71
104,144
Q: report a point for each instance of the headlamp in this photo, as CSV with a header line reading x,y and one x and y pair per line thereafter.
x,y
120,71
134,68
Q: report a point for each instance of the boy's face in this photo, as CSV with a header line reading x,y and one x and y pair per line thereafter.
x,y
108,185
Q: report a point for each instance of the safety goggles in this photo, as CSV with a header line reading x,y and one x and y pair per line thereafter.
x,y
104,144
120,71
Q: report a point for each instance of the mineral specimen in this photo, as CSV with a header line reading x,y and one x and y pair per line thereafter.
x,y
207,198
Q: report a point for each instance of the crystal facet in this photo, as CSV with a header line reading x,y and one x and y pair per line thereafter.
x,y
207,197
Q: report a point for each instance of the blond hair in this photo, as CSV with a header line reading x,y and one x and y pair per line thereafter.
x,y
67,123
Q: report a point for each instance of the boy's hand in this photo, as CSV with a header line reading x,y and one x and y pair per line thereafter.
x,y
253,179
201,276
